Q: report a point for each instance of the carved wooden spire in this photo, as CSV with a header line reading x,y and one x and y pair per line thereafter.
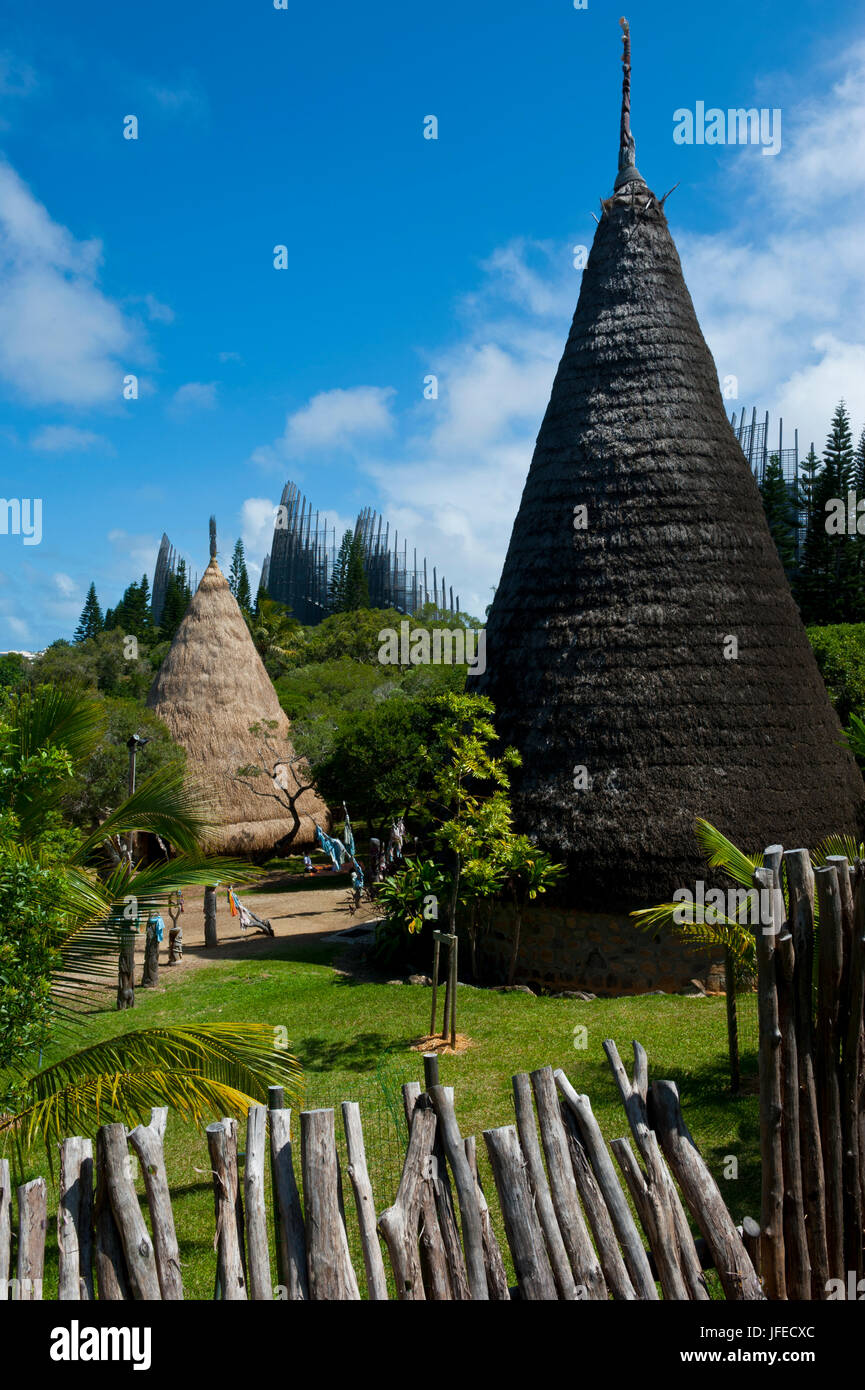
x,y
628,172
212,537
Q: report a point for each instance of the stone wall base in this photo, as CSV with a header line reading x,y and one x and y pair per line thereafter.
x,y
605,954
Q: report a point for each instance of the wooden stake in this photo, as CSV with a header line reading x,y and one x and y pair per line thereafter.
x,y
32,1221
376,1282
331,1274
75,1221
260,1286
830,958
287,1209
525,1238
771,1109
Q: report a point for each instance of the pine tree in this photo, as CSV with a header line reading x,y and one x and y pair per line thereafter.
x,y
91,620
177,596
780,509
830,588
238,577
808,476
356,586
339,577
859,466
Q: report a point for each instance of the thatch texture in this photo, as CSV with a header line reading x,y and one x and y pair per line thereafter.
x,y
211,687
606,645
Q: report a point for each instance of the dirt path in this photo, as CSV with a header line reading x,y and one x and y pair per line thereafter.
x,y
306,915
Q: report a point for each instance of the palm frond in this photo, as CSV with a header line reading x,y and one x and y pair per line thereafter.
x,y
721,853
198,1070
165,804
851,848
734,936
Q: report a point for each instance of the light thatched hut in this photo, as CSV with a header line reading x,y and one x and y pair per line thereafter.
x,y
652,639
212,691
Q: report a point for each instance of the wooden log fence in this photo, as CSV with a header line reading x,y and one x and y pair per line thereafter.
x,y
569,1231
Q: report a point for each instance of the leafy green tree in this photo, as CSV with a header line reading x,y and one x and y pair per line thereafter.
x,y
109,662
780,508
278,637
808,475
238,577
100,784
13,670
91,621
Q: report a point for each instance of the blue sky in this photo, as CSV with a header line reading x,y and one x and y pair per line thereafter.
x,y
406,256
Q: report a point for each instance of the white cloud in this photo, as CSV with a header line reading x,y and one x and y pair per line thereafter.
x,y
334,419
62,341
136,554
194,395
65,586
230,357
67,439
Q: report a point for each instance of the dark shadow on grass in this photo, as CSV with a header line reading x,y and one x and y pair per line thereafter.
x,y
360,1053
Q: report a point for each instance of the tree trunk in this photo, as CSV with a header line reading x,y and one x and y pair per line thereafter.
x,y
210,934
150,974
125,971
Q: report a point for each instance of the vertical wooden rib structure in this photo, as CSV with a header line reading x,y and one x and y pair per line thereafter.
x,y
664,654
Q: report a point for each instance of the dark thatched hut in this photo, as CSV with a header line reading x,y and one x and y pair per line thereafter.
x,y
657,646
219,704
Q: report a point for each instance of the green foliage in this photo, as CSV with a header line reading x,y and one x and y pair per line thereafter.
x,y
405,895
98,663
132,615
238,578
62,897
780,505
91,621
13,670
349,589
829,588
101,783
840,652
278,637
177,597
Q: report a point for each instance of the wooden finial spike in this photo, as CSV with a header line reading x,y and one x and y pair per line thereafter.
x,y
626,142
212,537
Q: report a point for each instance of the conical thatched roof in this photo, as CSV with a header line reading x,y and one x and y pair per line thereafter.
x,y
606,645
210,688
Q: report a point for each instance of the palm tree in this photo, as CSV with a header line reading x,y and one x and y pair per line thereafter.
x,y
81,885
276,634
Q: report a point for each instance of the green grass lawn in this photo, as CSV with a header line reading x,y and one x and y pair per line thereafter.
x,y
353,1042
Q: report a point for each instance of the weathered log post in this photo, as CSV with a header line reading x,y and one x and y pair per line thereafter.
x,y
732,1021
111,1272
376,1281
705,1203
398,1224
260,1286
602,1165
528,1135
798,1262
497,1279
147,1141
230,1276
800,887
436,1211
525,1237
331,1274
585,1266
634,1093
137,1246
445,1212
211,937
615,1273
75,1221
150,973
32,1223
291,1236
771,1107
751,1241
5,1227
470,1215
851,1092
126,970
829,964
655,1218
